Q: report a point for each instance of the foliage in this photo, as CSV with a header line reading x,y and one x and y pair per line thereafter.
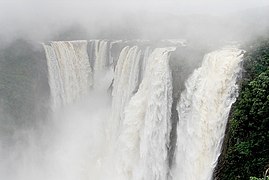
x,y
247,151
255,178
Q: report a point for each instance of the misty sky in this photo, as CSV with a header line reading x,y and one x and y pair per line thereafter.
x,y
24,15
27,11
9,7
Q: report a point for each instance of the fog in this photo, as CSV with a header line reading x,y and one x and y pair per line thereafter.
x,y
73,142
44,20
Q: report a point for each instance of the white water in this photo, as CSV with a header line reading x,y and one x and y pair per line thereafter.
x,y
203,111
69,70
103,72
146,125
126,135
115,137
125,86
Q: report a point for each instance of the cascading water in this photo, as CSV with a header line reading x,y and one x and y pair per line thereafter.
x,y
103,72
146,125
133,143
69,70
125,84
203,112
72,72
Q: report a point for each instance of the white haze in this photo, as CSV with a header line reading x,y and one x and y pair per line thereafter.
x,y
85,140
69,148
39,20
78,142
126,135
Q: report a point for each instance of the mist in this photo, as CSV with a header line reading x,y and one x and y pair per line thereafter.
x,y
65,120
45,20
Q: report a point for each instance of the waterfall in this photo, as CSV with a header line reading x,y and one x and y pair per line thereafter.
x,y
102,63
203,111
146,125
70,74
125,84
133,138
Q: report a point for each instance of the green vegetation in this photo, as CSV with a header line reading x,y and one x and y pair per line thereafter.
x,y
254,178
246,152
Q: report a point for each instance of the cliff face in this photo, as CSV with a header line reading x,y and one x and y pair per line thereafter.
x,y
245,148
24,93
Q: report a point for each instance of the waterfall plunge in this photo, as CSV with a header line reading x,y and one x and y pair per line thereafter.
x,y
137,133
146,125
203,111
70,75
